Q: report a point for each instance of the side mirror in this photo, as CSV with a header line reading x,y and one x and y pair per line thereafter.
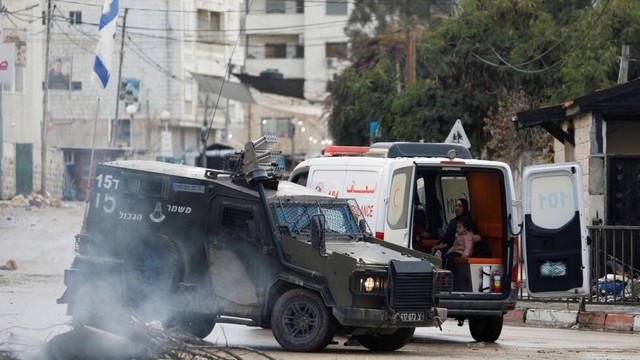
x,y
317,231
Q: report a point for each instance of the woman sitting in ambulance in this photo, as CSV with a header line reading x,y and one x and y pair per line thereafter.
x,y
461,209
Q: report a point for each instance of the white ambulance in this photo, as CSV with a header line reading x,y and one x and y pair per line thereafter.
x,y
397,184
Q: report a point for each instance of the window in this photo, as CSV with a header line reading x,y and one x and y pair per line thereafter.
x,y
276,7
75,17
299,52
336,7
210,26
453,187
236,219
336,50
300,6
281,127
121,132
275,51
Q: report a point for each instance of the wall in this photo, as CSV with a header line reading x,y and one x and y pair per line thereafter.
x,y
584,137
8,170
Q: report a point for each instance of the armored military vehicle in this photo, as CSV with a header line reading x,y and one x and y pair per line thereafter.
x,y
192,247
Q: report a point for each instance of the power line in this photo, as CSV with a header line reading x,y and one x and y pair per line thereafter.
x,y
562,59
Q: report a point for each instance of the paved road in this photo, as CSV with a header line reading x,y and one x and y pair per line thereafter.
x,y
516,342
40,240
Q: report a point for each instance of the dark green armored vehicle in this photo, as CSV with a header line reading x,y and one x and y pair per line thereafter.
x,y
192,247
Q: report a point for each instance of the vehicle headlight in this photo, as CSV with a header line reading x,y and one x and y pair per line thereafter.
x,y
368,283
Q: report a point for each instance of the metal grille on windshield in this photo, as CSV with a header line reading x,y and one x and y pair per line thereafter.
x,y
341,216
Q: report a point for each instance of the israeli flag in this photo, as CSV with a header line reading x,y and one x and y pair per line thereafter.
x,y
104,52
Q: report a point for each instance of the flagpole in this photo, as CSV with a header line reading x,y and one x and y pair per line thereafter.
x,y
102,71
93,147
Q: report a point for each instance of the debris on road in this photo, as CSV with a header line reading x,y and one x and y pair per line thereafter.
x,y
9,265
136,340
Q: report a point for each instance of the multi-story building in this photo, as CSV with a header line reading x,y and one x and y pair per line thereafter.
x,y
299,41
155,104
155,112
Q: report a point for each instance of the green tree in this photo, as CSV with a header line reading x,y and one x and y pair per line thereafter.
x,y
472,66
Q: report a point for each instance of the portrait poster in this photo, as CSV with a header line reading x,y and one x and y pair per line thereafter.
x,y
19,39
59,73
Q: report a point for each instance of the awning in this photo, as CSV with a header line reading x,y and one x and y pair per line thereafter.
x,y
230,90
285,87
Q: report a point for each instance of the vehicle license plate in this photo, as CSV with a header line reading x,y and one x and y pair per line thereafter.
x,y
412,316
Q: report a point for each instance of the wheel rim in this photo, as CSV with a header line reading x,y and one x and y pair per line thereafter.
x,y
300,320
147,269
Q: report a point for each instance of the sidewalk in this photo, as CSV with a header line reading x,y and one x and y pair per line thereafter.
x,y
599,317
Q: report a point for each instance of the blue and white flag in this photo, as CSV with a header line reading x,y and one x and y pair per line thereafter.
x,y
104,52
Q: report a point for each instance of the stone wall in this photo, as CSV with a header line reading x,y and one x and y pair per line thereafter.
x,y
55,171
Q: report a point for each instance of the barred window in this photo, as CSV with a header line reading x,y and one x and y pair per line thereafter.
x,y
236,219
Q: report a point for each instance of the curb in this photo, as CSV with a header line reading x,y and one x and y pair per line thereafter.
x,y
587,320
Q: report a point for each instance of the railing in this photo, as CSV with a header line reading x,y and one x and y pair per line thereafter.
x,y
615,267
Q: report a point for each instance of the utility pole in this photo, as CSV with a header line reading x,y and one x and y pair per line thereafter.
x,y
112,141
624,65
45,102
411,56
1,118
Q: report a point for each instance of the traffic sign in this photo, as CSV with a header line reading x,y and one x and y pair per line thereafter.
x,y
458,136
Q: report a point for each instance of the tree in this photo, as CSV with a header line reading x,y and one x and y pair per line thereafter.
x,y
495,55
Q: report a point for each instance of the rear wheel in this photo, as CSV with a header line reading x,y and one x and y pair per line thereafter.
x,y
301,322
485,328
153,267
386,342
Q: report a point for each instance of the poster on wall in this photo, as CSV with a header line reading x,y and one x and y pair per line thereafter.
x,y
59,73
19,39
129,91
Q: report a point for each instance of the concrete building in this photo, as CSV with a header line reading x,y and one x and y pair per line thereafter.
x,y
296,40
156,114
155,105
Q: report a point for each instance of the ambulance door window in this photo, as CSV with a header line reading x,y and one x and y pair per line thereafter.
x,y
399,197
453,187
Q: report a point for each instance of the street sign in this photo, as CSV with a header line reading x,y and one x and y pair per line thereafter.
x,y
458,136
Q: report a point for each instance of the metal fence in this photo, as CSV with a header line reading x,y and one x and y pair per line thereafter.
x,y
615,267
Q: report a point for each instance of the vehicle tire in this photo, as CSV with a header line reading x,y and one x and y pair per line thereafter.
x,y
152,267
386,342
199,325
485,328
300,321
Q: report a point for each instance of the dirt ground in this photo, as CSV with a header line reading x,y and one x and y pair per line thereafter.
x,y
40,241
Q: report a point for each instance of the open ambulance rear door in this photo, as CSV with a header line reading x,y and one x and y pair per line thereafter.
x,y
554,234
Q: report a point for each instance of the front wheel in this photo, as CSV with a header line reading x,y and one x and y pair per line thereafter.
x,y
485,328
301,322
386,342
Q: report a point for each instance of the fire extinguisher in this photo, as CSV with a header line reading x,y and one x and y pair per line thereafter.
x,y
496,283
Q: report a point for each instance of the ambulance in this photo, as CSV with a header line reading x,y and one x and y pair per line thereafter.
x,y
397,184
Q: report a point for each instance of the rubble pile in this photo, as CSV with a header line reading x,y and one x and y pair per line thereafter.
x,y
33,199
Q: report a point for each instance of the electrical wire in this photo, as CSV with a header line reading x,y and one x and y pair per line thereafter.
x,y
562,59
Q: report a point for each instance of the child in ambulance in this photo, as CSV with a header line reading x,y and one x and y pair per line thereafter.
x,y
462,245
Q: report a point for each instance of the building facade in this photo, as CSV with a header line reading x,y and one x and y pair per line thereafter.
x,y
153,107
150,108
